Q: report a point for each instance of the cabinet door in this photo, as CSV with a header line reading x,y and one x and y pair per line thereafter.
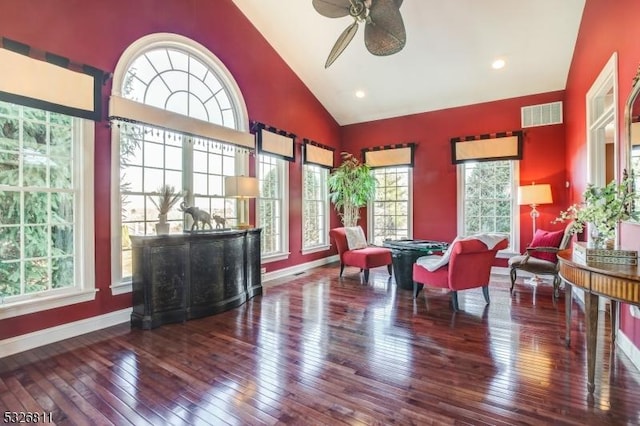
x,y
167,272
234,277
253,266
207,278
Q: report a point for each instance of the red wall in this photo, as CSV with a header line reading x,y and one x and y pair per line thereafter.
x,y
97,33
606,27
434,177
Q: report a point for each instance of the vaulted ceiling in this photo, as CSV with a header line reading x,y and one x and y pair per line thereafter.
x,y
446,62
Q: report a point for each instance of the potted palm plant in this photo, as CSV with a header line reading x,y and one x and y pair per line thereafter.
x,y
165,198
351,186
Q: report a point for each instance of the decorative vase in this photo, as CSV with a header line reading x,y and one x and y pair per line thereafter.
x,y
162,227
597,240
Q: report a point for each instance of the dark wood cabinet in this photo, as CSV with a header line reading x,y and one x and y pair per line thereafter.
x,y
178,277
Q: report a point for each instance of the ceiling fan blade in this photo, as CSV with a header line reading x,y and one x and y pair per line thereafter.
x,y
342,42
384,33
332,8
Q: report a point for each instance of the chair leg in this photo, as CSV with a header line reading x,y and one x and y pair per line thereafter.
x,y
416,289
341,268
485,293
454,301
389,268
556,286
513,277
366,276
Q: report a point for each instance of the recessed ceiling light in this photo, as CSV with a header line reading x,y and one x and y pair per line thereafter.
x,y
360,94
498,63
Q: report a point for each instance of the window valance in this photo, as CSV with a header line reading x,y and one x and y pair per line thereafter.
x,y
320,155
128,111
275,142
390,155
487,147
49,83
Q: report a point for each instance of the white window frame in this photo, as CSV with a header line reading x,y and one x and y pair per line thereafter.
x,y
324,175
84,289
283,199
370,206
120,285
514,238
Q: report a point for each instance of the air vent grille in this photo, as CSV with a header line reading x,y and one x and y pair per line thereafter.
x,y
542,115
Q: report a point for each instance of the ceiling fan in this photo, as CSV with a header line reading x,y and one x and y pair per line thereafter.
x,y
384,32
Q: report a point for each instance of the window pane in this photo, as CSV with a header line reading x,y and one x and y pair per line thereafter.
x,y
391,204
487,197
37,209
315,207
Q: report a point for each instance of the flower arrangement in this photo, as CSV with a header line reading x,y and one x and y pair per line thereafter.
x,y
603,207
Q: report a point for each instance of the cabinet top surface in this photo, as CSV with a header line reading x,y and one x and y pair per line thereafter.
x,y
179,238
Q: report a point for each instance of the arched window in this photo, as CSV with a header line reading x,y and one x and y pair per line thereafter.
x,y
182,86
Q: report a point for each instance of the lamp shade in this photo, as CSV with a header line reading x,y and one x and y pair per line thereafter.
x,y
241,187
535,194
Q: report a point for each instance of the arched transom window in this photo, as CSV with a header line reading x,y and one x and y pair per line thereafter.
x,y
178,78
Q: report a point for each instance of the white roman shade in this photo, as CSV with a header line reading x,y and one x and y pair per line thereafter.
x,y
389,156
122,109
273,143
501,146
317,154
49,84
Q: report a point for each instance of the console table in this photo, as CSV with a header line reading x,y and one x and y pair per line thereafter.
x,y
620,283
178,277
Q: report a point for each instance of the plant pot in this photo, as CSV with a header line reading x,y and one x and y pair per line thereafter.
x,y
162,228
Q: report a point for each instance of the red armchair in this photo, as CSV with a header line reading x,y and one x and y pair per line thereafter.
x,y
469,266
363,258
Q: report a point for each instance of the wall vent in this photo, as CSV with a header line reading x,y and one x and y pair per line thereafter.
x,y
542,115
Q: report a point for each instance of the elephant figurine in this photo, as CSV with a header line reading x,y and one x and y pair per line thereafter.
x,y
198,216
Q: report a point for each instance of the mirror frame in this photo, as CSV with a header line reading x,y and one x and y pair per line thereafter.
x,y
634,96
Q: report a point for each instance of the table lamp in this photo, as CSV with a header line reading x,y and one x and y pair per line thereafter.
x,y
243,188
534,195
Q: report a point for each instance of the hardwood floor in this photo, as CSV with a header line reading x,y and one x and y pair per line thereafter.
x,y
321,350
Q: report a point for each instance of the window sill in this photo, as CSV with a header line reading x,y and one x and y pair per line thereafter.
x,y
316,249
43,303
275,257
506,254
121,288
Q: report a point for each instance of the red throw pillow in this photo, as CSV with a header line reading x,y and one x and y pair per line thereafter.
x,y
544,238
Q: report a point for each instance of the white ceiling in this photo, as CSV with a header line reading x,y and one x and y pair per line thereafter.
x,y
445,63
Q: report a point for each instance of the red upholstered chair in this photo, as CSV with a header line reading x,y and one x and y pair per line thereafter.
x,y
469,266
363,258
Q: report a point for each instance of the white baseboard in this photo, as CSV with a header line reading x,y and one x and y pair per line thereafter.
x,y
628,348
304,267
14,345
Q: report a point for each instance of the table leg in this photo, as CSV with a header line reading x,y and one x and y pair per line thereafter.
x,y
614,305
591,313
568,301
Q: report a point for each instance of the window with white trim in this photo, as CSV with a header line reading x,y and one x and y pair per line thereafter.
x,y
273,207
46,210
390,212
175,74
315,210
486,199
